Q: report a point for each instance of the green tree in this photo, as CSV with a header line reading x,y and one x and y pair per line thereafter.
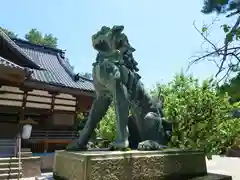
x,y
199,114
225,56
81,121
36,37
231,87
107,128
221,6
224,52
9,33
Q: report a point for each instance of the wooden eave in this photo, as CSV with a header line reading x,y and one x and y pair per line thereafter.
x,y
13,75
28,121
22,57
58,89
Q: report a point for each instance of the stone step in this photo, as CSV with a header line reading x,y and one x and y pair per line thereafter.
x,y
11,165
10,176
26,154
10,170
26,150
8,159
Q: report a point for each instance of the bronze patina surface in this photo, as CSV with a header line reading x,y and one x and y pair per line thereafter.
x,y
116,79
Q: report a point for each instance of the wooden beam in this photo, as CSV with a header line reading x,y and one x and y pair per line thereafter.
x,y
51,88
60,89
25,89
52,107
9,109
24,101
76,114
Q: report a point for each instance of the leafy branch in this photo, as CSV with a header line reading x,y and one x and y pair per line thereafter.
x,y
228,53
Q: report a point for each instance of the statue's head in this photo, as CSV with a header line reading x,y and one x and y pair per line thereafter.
x,y
107,40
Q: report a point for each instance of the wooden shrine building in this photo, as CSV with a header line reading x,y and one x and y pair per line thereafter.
x,y
37,83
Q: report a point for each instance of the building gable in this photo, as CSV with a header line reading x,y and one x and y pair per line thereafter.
x,y
11,51
56,69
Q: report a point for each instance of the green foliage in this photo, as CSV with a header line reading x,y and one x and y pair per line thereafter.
x,y
236,142
81,121
9,33
204,29
199,114
231,87
226,28
219,6
107,128
36,37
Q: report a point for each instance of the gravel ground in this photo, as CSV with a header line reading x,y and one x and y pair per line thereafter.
x,y
218,165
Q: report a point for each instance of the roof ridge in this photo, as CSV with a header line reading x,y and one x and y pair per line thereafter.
x,y
17,49
70,72
74,76
33,45
78,74
57,51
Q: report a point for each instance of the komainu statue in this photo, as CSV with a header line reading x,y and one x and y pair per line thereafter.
x,y
116,78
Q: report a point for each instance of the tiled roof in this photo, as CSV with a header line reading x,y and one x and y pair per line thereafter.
x,y
10,64
56,70
15,48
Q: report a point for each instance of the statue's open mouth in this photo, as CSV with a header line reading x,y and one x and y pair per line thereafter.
x,y
102,46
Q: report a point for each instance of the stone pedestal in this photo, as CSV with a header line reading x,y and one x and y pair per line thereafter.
x,y
131,165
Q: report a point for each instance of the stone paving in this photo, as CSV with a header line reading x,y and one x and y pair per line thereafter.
x,y
225,165
218,165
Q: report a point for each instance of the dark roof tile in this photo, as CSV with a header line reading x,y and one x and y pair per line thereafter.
x,y
24,57
56,71
48,66
10,64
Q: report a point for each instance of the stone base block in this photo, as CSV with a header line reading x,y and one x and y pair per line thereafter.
x,y
131,165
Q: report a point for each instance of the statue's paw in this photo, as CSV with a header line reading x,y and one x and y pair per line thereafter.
x,y
119,145
90,145
75,146
149,145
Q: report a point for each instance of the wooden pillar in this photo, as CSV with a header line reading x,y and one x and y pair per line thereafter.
x,y
53,101
24,101
22,109
51,113
20,118
76,114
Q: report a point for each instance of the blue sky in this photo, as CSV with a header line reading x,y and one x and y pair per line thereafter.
x,y
161,31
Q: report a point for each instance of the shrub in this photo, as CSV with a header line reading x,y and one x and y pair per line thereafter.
x,y
107,129
200,116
